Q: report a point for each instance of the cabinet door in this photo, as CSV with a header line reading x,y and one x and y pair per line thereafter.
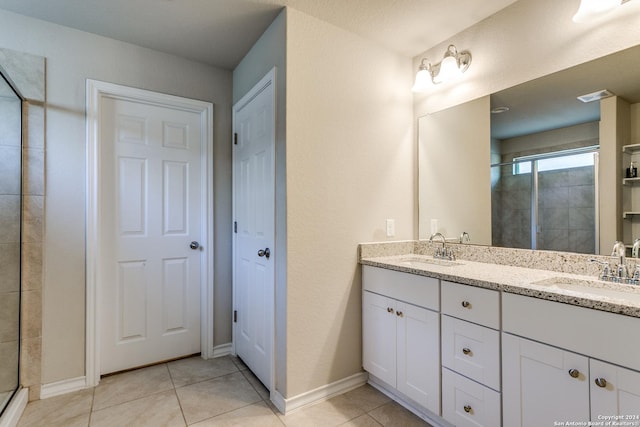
x,y
418,343
379,337
614,391
538,387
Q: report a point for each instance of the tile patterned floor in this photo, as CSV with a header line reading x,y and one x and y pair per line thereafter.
x,y
220,392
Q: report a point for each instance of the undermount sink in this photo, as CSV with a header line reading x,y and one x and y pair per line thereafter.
x,y
630,293
427,262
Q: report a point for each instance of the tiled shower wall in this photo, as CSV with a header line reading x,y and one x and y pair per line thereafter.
x,y
566,210
27,73
10,172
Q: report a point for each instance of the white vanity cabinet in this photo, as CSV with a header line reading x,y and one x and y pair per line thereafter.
x,y
470,355
552,368
401,333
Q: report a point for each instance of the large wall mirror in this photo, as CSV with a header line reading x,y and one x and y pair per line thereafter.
x,y
10,225
535,167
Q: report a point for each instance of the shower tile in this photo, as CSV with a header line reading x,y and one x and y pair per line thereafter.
x,y
582,241
9,316
10,170
581,176
582,218
32,266
553,178
33,219
10,113
33,172
582,196
33,126
555,239
554,218
9,267
30,363
27,72
554,197
9,219
9,357
32,314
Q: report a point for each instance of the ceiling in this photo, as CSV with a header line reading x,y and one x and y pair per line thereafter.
x,y
550,101
220,32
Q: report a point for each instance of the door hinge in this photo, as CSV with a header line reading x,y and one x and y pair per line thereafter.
x,y
235,226
235,139
235,316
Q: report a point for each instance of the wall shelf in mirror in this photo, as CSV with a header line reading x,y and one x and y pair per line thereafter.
x,y
631,148
630,181
627,215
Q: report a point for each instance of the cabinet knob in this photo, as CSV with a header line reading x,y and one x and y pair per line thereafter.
x,y
601,382
466,304
389,310
466,351
574,373
399,313
467,409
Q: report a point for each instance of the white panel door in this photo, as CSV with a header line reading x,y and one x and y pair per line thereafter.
x,y
614,391
254,213
542,384
379,336
418,354
151,199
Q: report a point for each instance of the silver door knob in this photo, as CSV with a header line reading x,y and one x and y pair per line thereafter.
x,y
264,253
467,409
466,304
574,373
601,382
194,245
466,351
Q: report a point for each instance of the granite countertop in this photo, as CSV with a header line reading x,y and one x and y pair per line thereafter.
x,y
589,292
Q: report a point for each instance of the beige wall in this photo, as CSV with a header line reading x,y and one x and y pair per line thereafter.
x,y
72,57
454,190
350,166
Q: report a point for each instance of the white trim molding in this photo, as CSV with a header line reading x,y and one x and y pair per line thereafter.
x,y
319,394
63,387
14,411
96,90
222,350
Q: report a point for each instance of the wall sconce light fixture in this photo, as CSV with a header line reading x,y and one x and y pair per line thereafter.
x,y
593,9
453,64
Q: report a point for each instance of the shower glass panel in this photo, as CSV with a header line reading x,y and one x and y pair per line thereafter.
x,y
10,231
546,201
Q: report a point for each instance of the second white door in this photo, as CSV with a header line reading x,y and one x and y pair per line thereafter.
x,y
254,213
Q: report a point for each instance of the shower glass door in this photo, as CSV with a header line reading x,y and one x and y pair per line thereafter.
x,y
547,201
10,231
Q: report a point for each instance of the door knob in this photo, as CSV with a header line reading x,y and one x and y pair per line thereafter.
x,y
264,253
194,245
574,373
601,382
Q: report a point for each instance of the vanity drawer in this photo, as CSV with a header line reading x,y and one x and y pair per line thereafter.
x,y
467,403
412,288
471,350
476,305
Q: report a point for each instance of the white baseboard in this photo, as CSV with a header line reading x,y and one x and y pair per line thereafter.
x,y
14,411
222,350
63,387
318,395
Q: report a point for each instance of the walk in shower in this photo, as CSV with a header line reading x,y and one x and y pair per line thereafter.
x,y
546,201
10,238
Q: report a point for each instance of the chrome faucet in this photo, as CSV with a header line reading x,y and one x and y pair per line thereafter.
x,y
464,237
605,273
442,253
619,252
635,251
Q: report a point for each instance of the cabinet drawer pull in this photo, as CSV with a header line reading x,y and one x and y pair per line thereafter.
x,y
389,310
399,313
601,382
466,351
574,373
467,409
466,304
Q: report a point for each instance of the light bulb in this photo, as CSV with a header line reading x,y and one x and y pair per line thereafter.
x,y
423,79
